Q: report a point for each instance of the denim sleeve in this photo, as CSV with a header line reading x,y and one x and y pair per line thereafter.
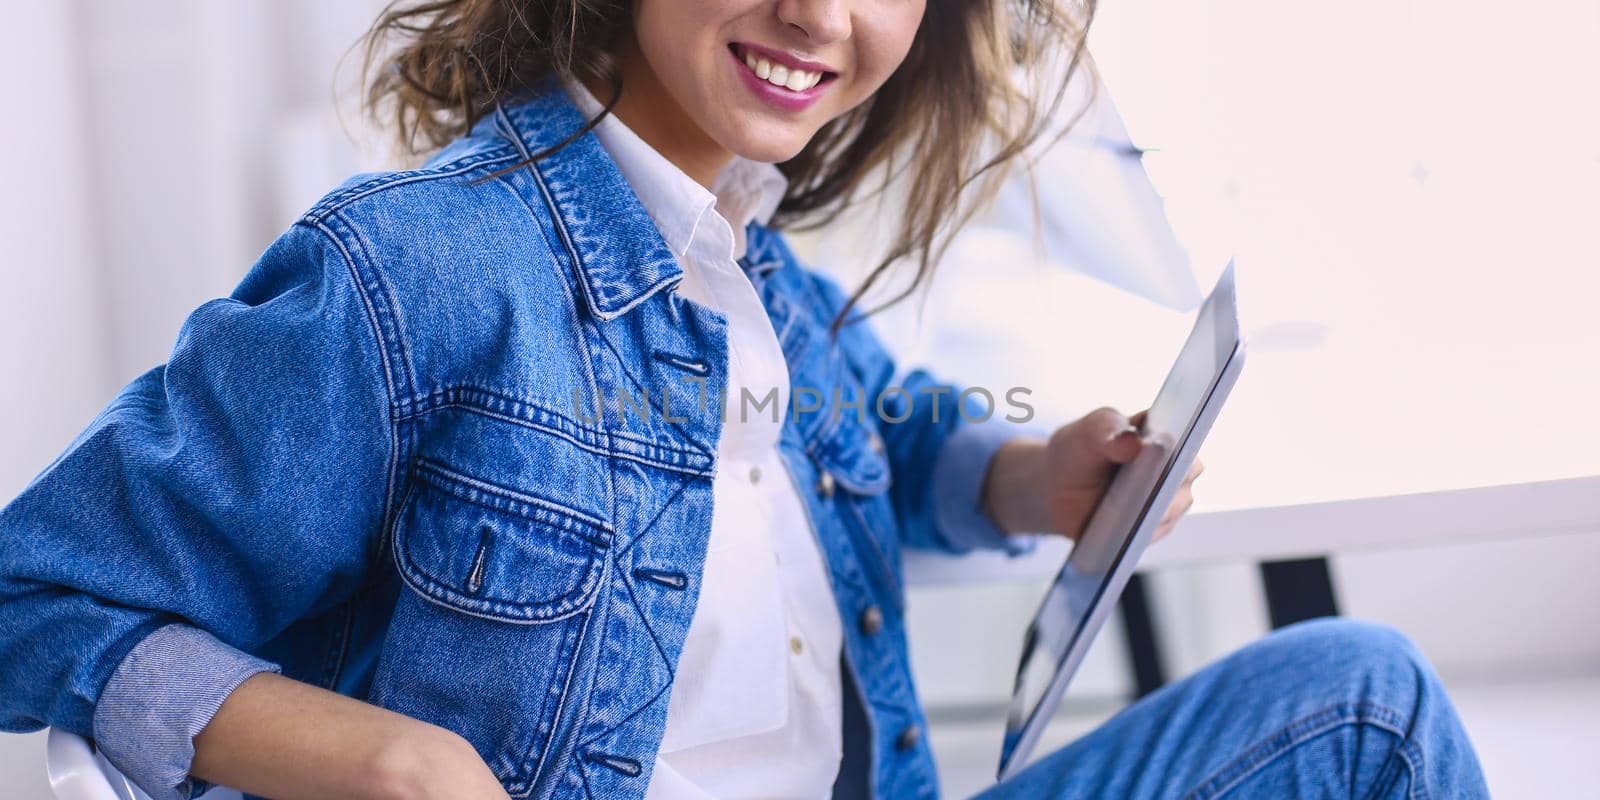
x,y
160,697
940,454
959,472
234,489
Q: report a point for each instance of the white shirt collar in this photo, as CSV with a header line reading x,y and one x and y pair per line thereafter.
x,y
744,191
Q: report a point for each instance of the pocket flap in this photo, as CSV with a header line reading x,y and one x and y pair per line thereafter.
x,y
496,552
853,453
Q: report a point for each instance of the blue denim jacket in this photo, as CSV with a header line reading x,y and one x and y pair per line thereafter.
x,y
378,466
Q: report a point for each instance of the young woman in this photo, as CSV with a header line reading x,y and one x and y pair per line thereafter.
x,y
546,470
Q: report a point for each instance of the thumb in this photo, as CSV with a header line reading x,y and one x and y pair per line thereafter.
x,y
1112,435
1122,445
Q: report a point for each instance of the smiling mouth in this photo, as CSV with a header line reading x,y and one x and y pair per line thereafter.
x,y
779,73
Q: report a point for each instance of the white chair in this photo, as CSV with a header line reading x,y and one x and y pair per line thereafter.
x,y
78,771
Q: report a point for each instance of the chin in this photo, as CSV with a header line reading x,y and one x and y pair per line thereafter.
x,y
769,152
768,143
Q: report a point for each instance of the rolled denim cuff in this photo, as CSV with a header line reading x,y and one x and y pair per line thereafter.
x,y
958,475
164,692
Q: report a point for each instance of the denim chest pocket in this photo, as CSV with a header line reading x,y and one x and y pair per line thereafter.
x,y
496,552
485,641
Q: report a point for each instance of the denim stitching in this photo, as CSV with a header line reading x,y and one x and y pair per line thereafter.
x,y
651,525
516,502
489,403
634,379
1411,754
630,717
508,129
434,591
594,447
633,599
388,310
333,661
504,612
671,670
566,692
640,709
518,613
891,579
392,477
518,756
604,291
580,330
566,276
535,751
338,200
1309,727
835,448
583,775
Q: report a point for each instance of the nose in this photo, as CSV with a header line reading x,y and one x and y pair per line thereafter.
x,y
820,21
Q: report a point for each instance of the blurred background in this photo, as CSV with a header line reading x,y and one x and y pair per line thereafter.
x,y
1411,189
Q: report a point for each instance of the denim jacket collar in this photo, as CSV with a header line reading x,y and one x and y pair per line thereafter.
x,y
621,258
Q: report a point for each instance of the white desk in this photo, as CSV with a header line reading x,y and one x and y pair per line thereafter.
x,y
1548,508
1374,411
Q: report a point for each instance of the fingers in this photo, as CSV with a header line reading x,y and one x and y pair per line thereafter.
x,y
1162,531
1116,435
1180,504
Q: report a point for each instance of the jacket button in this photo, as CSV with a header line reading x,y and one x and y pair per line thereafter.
x,y
871,620
825,484
908,738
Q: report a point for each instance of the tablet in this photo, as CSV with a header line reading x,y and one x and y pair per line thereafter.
x,y
1086,590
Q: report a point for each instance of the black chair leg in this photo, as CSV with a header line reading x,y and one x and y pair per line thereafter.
x,y
1138,627
1298,590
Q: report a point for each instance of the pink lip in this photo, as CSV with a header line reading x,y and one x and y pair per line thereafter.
x,y
777,95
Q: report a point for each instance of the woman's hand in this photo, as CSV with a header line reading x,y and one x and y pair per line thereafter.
x,y
431,763
1052,486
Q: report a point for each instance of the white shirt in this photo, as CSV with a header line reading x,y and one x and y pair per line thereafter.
x,y
756,700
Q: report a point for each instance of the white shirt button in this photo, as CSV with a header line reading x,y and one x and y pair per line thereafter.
x,y
796,646
755,475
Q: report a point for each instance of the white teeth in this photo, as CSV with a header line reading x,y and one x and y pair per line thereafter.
x,y
795,80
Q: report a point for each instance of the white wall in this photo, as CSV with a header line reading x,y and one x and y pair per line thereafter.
x,y
154,149
52,310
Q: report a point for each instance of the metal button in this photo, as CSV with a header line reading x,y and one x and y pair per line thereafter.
x,y
755,475
871,620
825,484
908,738
796,646
875,442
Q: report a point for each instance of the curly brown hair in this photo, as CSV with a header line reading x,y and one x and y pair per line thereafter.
x,y
982,82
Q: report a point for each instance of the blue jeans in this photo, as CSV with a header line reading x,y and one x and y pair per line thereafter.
x,y
1328,708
